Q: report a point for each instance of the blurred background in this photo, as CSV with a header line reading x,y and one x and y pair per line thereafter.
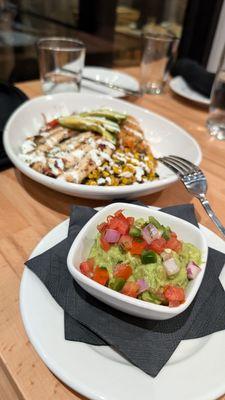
x,y
111,30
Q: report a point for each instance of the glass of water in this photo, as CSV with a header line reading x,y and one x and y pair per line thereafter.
x,y
158,54
216,119
61,62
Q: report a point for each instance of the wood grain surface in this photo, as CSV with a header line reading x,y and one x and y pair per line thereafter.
x,y
28,211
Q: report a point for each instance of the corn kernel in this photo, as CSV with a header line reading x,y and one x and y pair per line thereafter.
x,y
92,182
105,174
95,173
116,169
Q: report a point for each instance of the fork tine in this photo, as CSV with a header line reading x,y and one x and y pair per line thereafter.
x,y
185,162
171,166
182,168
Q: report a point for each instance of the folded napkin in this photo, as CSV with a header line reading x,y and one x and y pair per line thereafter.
x,y
10,98
148,344
194,74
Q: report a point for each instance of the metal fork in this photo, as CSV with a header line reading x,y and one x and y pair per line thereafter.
x,y
195,182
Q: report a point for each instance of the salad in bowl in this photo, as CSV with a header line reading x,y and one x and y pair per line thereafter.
x,y
143,259
150,259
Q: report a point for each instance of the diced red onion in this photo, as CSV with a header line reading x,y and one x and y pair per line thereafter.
x,y
150,233
192,270
171,267
143,285
111,236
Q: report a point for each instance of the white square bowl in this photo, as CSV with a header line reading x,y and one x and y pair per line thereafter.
x,y
82,244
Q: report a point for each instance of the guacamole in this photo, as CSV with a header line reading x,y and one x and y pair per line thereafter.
x,y
135,259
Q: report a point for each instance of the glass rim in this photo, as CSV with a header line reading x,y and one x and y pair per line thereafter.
x,y
167,37
50,43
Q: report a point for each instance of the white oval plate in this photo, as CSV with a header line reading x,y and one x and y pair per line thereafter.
x,y
180,87
164,136
194,372
107,75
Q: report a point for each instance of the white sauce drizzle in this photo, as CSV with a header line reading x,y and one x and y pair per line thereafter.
x,y
95,157
28,146
139,174
79,154
53,167
126,174
101,181
32,158
106,156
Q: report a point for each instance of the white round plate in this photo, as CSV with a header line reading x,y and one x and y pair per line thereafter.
x,y
194,372
180,87
107,75
164,136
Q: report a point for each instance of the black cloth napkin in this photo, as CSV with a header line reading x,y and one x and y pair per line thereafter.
x,y
148,344
10,99
194,74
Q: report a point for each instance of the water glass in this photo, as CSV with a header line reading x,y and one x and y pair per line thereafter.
x,y
216,118
61,62
158,53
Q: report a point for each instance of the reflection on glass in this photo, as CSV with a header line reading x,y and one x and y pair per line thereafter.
x,y
216,118
111,30
61,62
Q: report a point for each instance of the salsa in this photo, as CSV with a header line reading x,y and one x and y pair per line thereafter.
x,y
142,258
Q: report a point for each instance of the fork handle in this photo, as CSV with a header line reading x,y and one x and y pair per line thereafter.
x,y
211,214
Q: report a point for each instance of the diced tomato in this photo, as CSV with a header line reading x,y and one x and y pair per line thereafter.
x,y
131,289
87,267
101,275
53,123
102,227
138,247
119,214
105,245
174,294
118,221
158,245
130,220
173,234
174,244
126,242
123,271
119,224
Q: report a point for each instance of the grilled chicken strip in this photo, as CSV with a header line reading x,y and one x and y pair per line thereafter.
x,y
132,136
73,159
98,151
61,162
59,156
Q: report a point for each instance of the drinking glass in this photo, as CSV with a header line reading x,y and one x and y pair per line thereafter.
x,y
216,119
158,53
61,62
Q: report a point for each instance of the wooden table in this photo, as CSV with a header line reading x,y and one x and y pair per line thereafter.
x,y
28,211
